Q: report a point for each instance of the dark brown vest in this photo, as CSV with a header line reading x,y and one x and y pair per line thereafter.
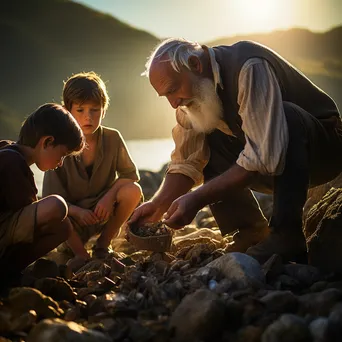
x,y
295,87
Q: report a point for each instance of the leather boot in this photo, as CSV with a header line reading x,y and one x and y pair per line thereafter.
x,y
245,238
289,244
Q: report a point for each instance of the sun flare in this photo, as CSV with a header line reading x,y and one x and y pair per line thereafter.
x,y
257,15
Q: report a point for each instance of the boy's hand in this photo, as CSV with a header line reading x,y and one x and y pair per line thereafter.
x,y
104,208
85,217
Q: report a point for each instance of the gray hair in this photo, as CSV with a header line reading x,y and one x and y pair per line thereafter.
x,y
179,51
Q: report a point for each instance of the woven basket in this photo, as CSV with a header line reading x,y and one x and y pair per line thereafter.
x,y
156,243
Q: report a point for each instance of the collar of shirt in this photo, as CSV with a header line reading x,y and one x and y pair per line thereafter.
x,y
214,66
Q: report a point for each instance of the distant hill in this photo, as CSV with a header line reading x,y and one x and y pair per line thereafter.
x,y
45,41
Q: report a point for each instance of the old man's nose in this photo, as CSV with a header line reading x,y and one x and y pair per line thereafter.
x,y
175,102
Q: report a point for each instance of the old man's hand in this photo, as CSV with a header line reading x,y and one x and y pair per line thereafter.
x,y
147,212
182,211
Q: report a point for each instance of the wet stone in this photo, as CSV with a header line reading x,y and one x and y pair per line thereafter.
x,y
280,302
334,326
319,303
287,328
58,289
249,333
207,317
56,330
243,270
318,329
24,299
306,275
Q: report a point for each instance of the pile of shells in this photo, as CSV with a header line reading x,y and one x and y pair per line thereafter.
x,y
151,229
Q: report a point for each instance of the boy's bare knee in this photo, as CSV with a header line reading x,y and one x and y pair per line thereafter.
x,y
131,191
136,191
56,208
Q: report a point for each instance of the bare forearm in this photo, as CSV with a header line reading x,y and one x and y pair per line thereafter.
x,y
221,186
174,185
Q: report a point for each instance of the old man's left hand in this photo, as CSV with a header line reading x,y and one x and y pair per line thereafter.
x,y
182,211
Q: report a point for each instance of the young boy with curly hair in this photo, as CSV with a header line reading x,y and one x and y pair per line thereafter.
x,y
100,184
30,228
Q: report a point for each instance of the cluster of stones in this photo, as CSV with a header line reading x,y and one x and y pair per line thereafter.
x,y
197,292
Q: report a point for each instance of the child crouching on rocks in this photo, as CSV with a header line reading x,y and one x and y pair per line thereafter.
x,y
100,184
29,228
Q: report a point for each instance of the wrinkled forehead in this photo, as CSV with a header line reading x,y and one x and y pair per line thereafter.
x,y
162,73
161,67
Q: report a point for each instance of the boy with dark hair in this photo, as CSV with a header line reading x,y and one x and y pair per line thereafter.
x,y
100,184
29,228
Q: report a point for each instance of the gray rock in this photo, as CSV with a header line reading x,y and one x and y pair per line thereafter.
x,y
334,326
280,302
324,245
58,289
198,317
12,322
42,268
56,330
285,282
273,267
149,182
288,328
249,333
319,303
318,329
24,299
305,274
319,286
241,269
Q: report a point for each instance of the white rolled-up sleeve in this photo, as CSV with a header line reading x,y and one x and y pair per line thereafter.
x,y
263,119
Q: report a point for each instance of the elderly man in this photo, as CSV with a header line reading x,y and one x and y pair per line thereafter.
x,y
246,119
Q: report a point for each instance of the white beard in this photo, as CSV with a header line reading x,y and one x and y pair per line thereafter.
x,y
205,110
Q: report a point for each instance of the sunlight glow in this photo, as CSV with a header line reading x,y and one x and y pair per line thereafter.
x,y
260,15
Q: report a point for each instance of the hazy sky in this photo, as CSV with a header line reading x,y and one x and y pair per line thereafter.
x,y
206,20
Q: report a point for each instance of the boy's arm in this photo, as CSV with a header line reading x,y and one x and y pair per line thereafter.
x,y
125,167
17,184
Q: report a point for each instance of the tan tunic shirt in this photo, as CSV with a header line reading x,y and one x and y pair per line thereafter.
x,y
112,161
264,125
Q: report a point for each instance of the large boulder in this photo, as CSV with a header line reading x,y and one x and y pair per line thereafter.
x,y
316,194
324,228
149,182
242,270
199,317
287,328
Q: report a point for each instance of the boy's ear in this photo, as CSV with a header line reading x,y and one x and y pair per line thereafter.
x,y
48,141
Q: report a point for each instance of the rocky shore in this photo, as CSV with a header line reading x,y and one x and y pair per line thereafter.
x,y
196,292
